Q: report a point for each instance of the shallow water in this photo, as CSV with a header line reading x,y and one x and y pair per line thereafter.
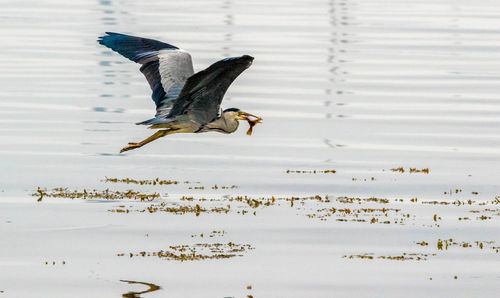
x,y
359,87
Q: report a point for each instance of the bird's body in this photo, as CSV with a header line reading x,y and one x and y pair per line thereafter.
x,y
186,102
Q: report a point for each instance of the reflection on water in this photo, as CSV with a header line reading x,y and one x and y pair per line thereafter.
x,y
131,294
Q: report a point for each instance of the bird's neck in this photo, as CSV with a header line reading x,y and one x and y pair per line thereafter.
x,y
222,125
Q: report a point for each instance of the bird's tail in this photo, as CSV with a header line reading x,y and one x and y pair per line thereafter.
x,y
157,123
153,121
146,122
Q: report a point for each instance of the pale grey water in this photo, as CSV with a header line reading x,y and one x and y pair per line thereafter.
x,y
356,86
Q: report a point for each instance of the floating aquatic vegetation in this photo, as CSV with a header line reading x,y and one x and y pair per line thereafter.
x,y
54,263
107,194
444,244
313,207
402,257
348,200
237,204
370,215
197,187
263,201
400,169
211,234
174,208
363,179
151,288
224,187
184,198
196,252
456,202
411,170
215,187
311,171
156,181
450,192
414,170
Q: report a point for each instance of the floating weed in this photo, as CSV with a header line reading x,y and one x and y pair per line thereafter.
x,y
411,170
224,187
415,170
197,187
211,234
174,208
311,171
196,252
348,200
456,202
402,257
450,192
371,215
363,179
107,194
408,256
313,207
156,181
400,169
53,263
368,256
444,244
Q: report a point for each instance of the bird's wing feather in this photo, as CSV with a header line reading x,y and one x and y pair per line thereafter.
x,y
166,67
203,92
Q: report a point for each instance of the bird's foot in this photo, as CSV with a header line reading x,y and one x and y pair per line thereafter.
x,y
130,146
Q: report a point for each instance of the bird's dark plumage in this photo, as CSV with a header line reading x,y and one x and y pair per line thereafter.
x,y
132,47
203,92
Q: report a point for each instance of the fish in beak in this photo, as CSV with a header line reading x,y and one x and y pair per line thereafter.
x,y
251,119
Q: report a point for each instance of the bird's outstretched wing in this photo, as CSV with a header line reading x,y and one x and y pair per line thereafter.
x,y
166,67
202,94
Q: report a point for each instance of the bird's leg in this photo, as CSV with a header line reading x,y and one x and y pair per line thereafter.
x,y
156,135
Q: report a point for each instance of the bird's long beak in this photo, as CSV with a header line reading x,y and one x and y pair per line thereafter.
x,y
245,116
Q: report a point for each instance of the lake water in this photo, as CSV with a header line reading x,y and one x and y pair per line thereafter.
x,y
359,87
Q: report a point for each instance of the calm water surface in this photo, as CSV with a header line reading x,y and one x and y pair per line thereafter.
x,y
359,87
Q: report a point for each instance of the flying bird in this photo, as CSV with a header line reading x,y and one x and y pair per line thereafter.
x,y
186,102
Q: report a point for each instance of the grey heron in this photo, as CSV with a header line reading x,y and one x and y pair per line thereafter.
x,y
186,102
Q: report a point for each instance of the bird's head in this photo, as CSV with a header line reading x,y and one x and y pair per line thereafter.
x,y
237,114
